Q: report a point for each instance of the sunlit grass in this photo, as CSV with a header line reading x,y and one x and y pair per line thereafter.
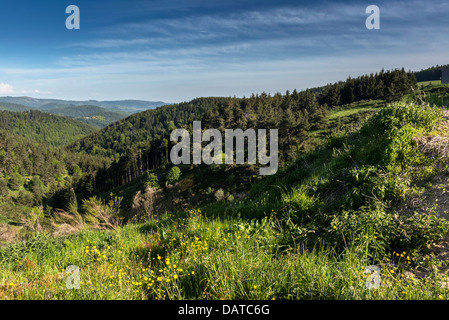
x,y
193,256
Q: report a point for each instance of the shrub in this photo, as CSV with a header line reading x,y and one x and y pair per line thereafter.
x,y
34,219
373,182
107,215
173,175
386,155
377,231
152,180
397,115
186,183
219,195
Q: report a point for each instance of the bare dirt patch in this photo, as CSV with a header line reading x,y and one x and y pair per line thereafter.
x,y
8,234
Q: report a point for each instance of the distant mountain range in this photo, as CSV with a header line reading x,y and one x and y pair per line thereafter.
x,y
128,106
96,113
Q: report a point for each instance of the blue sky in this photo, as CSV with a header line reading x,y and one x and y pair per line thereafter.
x,y
176,50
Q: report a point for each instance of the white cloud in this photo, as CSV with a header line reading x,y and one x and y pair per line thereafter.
x,y
6,88
9,89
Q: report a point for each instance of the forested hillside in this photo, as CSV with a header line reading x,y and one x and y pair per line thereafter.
x,y
141,141
129,148
95,116
4,106
430,74
263,110
114,140
43,127
31,173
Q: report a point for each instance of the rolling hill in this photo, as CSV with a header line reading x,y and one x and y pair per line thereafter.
x,y
5,106
96,116
129,106
116,139
43,127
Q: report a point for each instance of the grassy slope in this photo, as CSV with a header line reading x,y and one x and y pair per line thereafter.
x,y
354,108
222,252
200,258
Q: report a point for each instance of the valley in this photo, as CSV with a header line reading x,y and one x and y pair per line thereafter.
x,y
361,164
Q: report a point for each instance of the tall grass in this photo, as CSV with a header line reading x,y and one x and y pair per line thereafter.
x,y
194,256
